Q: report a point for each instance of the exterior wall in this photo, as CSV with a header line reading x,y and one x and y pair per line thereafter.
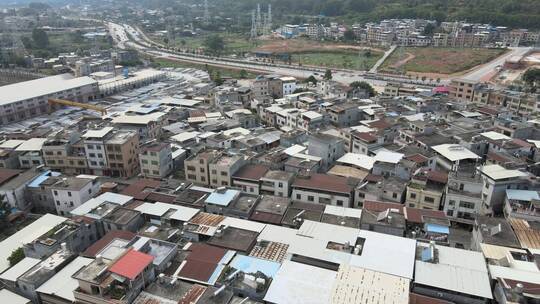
x,y
67,200
30,159
123,159
313,197
221,175
95,154
275,187
423,198
156,164
247,187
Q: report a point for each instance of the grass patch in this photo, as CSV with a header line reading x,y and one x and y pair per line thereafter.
x,y
234,43
343,60
438,60
233,73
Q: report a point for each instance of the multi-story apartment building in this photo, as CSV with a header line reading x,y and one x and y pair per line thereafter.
x,y
323,189
156,159
425,190
222,168
66,155
462,195
94,147
27,99
122,149
328,148
71,192
196,167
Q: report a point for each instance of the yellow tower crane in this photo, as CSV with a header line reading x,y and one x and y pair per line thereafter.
x,y
81,105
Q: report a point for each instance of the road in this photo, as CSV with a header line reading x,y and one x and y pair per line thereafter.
x,y
383,58
486,71
128,36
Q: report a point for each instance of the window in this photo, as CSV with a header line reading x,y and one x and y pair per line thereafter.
x,y
57,203
71,204
190,168
214,171
69,193
223,173
55,192
298,196
310,198
428,199
412,195
201,169
339,203
154,162
451,202
280,185
468,205
92,154
394,195
144,161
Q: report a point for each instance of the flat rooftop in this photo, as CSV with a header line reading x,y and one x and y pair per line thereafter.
x,y
41,87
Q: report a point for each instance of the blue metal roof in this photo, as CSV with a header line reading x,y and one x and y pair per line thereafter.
x,y
41,178
249,264
222,199
437,228
522,195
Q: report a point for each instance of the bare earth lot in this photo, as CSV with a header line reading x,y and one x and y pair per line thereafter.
x,y
438,60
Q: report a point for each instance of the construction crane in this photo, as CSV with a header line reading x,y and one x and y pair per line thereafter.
x,y
81,105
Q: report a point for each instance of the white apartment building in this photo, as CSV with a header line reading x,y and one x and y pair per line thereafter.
x,y
94,147
71,192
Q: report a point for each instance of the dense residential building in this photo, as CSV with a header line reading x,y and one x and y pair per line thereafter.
x,y
156,159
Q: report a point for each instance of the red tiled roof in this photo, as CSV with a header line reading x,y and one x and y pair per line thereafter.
x,y
251,172
324,182
7,174
106,240
193,294
131,264
416,215
377,206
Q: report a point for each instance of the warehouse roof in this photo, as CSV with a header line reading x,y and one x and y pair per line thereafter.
x,y
41,87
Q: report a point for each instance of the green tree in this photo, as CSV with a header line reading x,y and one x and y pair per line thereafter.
x,y
215,44
243,74
328,75
16,256
429,29
531,77
40,38
312,79
349,35
362,85
217,78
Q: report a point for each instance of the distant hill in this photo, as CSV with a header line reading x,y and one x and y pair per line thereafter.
x,y
512,13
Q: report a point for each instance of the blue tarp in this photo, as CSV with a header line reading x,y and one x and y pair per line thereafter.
x,y
249,264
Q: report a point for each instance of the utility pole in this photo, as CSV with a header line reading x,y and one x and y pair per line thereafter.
x,y
206,17
253,33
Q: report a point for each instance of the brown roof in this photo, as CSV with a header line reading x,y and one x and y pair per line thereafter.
x,y
437,176
197,270
416,215
417,158
488,111
193,294
7,174
528,233
365,136
205,253
373,178
208,219
154,147
160,197
251,172
380,124
135,190
377,206
106,240
497,157
266,217
324,182
522,143
420,299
